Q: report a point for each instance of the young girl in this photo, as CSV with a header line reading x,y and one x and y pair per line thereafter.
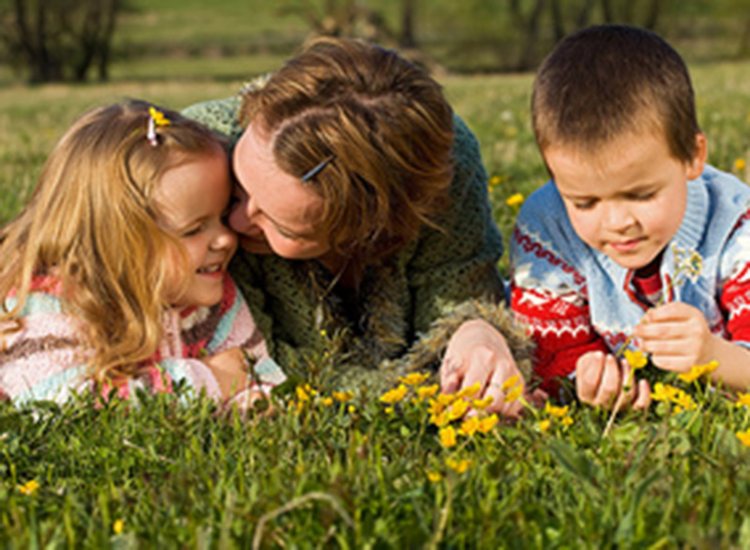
x,y
114,275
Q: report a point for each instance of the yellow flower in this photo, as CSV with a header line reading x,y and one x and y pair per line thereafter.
x,y
567,421
487,423
323,333
684,402
118,526
445,399
395,395
469,426
435,407
351,409
739,165
29,488
343,396
481,404
514,201
743,400
447,437
327,401
158,117
495,181
697,371
469,391
511,382
427,391
414,378
458,466
635,358
557,412
514,394
663,392
744,437
544,425
458,409
434,476
389,411
305,392
440,419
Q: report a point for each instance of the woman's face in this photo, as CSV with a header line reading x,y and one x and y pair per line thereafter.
x,y
274,212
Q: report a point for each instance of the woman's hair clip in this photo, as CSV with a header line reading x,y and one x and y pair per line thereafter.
x,y
155,118
310,174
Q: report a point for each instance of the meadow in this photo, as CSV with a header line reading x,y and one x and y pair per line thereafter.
x,y
329,469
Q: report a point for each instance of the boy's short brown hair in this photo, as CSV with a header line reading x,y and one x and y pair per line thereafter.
x,y
605,81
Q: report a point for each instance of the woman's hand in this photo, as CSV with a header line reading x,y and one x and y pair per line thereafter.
x,y
478,353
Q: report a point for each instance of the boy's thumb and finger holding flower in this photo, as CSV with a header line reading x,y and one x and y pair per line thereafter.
x,y
676,335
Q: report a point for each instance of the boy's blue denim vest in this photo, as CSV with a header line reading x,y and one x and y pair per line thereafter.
x,y
717,203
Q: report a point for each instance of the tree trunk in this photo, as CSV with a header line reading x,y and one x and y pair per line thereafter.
x,y
407,38
653,14
530,38
584,16
106,40
557,20
744,49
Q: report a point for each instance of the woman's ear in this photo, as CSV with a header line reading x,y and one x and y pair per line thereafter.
x,y
698,162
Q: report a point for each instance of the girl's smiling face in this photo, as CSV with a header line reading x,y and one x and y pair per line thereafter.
x,y
628,198
192,199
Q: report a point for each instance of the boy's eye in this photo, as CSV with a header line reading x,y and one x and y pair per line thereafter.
x,y
584,205
643,196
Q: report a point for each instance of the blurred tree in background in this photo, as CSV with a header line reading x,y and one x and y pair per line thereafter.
x,y
68,39
55,40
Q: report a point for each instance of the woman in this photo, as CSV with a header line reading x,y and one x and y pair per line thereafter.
x,y
364,221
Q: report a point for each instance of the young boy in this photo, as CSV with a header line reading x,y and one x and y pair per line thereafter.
x,y
635,241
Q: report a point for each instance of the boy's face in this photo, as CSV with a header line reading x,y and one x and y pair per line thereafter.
x,y
626,199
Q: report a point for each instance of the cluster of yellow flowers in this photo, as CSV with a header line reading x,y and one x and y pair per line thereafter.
x,y
667,393
448,412
555,415
698,371
307,397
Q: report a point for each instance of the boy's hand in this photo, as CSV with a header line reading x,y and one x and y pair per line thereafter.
x,y
477,353
600,380
676,335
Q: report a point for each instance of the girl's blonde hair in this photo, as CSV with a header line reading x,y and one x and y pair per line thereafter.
x,y
92,223
386,129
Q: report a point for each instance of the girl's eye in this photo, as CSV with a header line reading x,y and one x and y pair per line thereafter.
x,y
192,231
588,205
644,196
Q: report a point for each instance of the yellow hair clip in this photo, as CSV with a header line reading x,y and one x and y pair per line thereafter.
x,y
155,118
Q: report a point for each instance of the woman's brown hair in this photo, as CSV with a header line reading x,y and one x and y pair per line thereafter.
x,y
386,129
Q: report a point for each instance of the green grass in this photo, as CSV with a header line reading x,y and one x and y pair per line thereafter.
x,y
178,474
